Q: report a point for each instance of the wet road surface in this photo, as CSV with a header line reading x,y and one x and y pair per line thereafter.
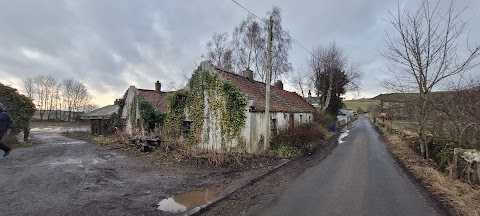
x,y
63,176
359,177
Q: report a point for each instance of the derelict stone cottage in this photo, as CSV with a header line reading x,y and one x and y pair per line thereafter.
x,y
286,109
130,107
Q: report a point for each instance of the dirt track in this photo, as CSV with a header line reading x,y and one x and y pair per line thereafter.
x,y
63,176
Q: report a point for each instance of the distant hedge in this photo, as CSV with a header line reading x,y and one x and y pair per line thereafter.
x,y
20,107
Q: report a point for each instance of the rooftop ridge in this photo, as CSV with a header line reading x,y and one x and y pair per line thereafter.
x,y
282,95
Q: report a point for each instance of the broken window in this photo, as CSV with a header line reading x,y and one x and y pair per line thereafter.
x,y
186,127
273,126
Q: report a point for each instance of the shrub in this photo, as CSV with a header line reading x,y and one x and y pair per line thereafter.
x,y
297,141
324,118
21,108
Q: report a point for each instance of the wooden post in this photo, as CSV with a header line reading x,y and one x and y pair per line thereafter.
x,y
267,85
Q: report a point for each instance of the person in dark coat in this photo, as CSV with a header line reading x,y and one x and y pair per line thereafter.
x,y
5,123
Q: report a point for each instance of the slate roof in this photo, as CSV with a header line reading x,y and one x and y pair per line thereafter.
x,y
281,100
100,113
158,99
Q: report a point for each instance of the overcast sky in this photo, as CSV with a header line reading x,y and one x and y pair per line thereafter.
x,y
110,44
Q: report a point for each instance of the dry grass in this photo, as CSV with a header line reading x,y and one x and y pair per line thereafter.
x,y
55,123
177,152
461,198
116,141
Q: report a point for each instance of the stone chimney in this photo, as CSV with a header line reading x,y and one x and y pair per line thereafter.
x,y
158,87
279,84
248,74
309,93
117,101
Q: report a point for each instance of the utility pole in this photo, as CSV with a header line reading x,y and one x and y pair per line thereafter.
x,y
267,85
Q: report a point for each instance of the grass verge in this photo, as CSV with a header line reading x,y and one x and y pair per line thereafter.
x,y
458,197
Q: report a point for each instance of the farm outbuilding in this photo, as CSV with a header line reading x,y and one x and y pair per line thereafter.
x,y
344,116
101,119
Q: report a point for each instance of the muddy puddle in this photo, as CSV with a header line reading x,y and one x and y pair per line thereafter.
x,y
186,201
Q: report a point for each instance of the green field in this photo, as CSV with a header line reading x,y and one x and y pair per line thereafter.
x,y
364,104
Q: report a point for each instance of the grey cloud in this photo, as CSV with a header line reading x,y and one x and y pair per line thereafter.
x,y
110,45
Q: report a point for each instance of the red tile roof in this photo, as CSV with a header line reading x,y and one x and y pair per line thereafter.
x,y
158,99
280,100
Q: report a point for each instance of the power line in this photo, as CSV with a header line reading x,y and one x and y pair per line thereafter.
x,y
248,10
293,39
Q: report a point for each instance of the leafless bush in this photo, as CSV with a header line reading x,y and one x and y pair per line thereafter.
x,y
297,141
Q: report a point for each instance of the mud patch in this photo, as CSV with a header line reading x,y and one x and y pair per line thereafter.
x,y
186,201
75,161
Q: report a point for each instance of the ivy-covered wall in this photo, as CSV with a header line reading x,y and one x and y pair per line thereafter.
x,y
149,115
215,108
176,112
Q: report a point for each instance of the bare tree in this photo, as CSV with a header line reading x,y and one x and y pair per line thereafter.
x,y
219,51
423,52
58,100
50,86
89,107
29,87
300,81
325,63
75,95
250,44
281,45
43,88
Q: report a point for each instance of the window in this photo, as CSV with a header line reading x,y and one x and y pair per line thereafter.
x,y
186,127
290,121
301,119
273,126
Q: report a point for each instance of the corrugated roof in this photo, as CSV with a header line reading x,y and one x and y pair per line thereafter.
x,y
343,112
101,113
158,99
281,100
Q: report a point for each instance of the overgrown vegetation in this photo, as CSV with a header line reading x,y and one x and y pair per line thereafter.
x,y
211,104
175,115
151,117
20,107
117,118
460,197
223,102
133,112
453,123
297,141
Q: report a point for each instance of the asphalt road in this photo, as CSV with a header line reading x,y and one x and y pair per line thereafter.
x,y
359,177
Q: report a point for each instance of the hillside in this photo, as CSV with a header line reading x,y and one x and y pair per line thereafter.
x,y
401,97
364,104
